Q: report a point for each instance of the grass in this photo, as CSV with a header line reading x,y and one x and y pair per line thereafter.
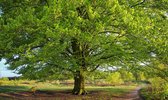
x,y
63,91
25,85
9,89
111,88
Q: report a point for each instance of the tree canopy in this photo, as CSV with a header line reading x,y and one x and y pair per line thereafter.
x,y
43,38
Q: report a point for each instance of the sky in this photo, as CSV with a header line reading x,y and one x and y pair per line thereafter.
x,y
4,72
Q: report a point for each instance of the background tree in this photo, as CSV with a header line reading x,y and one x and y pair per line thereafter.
x,y
43,38
114,78
126,75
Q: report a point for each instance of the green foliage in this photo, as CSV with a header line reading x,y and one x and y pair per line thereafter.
x,y
156,68
96,77
126,75
43,39
158,89
164,94
142,76
114,78
157,84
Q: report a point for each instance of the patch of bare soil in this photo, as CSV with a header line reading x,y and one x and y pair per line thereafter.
x,y
67,95
133,95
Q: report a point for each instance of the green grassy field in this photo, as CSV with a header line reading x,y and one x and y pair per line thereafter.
x,y
22,89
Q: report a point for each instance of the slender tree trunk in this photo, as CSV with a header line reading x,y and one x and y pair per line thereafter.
x,y
79,83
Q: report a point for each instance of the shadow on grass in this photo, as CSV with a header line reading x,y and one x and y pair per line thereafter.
x,y
9,89
98,93
111,90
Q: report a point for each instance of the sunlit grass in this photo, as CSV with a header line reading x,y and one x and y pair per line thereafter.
x,y
60,91
112,90
25,85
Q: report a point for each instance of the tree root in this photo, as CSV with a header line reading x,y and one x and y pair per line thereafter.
x,y
79,92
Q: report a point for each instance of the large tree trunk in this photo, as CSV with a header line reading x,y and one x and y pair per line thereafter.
x,y
79,83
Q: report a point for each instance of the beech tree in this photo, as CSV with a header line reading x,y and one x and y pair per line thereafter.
x,y
43,38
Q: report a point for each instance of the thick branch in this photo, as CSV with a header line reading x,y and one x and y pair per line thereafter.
x,y
95,68
107,57
138,3
160,71
37,46
106,31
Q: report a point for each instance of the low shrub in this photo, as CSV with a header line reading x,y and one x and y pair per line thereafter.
x,y
4,79
114,79
157,90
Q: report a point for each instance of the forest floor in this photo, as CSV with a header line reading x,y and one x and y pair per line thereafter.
x,y
96,93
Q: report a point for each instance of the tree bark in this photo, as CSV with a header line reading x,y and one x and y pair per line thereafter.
x,y
79,83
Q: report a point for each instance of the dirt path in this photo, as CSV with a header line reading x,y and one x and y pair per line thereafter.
x,y
133,95
66,95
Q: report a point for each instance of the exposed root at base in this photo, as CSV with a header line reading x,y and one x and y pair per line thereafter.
x,y
79,92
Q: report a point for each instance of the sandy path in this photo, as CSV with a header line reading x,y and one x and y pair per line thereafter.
x,y
133,95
